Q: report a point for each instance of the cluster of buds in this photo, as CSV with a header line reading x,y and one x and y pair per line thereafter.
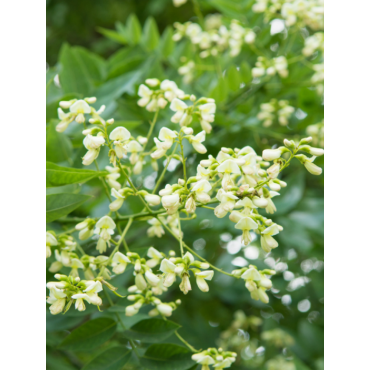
x,y
213,41
295,12
257,282
313,43
269,67
158,94
275,109
77,111
181,266
147,296
68,290
218,358
156,228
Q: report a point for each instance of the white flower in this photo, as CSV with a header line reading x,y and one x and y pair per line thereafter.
x,y
80,107
93,144
161,151
271,154
190,205
152,279
92,290
167,136
171,203
270,204
131,310
197,140
116,204
228,166
185,285
112,177
201,278
165,309
155,256
57,300
140,282
74,265
120,135
227,203
152,199
120,262
179,107
156,229
274,171
311,167
201,189
145,93
169,270
267,240
105,228
171,90
246,224
50,242
134,147
207,111
66,119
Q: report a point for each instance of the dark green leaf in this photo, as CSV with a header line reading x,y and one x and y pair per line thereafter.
x,y
133,29
112,359
90,335
60,176
150,37
151,330
167,357
60,205
58,146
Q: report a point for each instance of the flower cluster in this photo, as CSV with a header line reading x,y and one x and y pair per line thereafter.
x,y
266,67
279,110
68,290
218,358
302,13
213,41
257,282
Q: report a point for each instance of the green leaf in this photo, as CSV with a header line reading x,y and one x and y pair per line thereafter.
x,y
60,205
151,330
113,35
167,356
150,37
133,29
58,146
90,335
219,93
167,44
233,78
111,359
81,70
246,72
60,176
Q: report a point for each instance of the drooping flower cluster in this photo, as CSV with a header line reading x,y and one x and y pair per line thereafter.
x,y
279,110
218,358
68,290
257,282
216,39
302,13
270,67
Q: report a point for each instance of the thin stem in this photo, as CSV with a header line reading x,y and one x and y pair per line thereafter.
x,y
152,124
165,169
183,158
198,12
180,233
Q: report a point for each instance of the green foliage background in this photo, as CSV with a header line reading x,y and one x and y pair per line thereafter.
x,y
96,50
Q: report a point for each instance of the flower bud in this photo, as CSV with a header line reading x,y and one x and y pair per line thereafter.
x,y
290,144
152,82
165,309
190,205
91,100
271,154
312,168
187,130
152,199
110,121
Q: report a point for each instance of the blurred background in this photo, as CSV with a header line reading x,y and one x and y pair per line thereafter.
x,y
90,48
